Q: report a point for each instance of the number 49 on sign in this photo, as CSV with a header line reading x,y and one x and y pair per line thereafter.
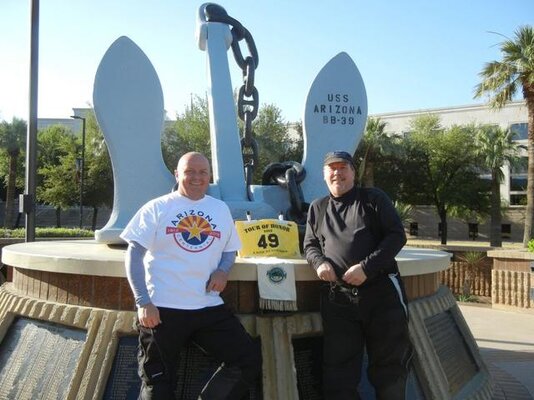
x,y
268,238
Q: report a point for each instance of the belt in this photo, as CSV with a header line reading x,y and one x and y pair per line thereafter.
x,y
352,290
349,294
349,290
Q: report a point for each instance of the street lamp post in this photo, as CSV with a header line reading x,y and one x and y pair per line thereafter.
x,y
82,163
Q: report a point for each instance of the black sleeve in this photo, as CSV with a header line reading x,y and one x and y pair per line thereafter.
x,y
312,243
382,259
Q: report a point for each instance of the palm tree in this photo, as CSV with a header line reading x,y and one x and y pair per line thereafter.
x,y
12,141
474,262
375,142
501,80
405,212
495,147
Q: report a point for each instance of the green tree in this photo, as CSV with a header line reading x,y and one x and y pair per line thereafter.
x,y
98,178
375,144
56,172
12,143
425,124
405,212
440,169
501,80
60,187
296,133
495,147
474,262
274,141
53,142
388,167
56,144
190,132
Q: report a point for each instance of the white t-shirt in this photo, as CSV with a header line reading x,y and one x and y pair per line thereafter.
x,y
185,239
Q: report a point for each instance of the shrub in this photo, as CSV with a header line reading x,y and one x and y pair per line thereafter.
x,y
466,298
47,232
405,211
474,261
530,245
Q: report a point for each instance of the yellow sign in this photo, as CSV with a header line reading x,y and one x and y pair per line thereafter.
x,y
268,238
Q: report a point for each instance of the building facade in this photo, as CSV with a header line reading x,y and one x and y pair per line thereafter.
x,y
513,116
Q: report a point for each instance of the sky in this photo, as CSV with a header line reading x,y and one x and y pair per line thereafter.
x,y
412,54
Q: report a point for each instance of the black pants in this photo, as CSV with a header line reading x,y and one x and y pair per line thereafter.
x,y
214,329
377,321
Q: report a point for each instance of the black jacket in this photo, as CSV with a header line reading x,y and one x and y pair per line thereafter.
x,y
362,226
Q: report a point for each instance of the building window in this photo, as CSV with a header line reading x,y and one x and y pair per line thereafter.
x,y
414,228
518,183
520,131
518,199
506,231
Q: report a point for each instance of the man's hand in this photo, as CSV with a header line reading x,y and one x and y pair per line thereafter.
x,y
148,315
326,272
217,281
355,275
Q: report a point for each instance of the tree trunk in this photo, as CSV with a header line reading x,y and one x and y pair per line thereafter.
x,y
466,287
10,190
17,222
93,223
58,217
443,220
369,175
496,220
529,214
362,171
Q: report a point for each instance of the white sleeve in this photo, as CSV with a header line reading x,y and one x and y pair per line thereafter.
x,y
142,227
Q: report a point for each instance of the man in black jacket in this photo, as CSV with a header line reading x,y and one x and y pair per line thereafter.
x,y
352,238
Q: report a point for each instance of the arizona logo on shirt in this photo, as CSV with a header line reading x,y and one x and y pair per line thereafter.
x,y
193,233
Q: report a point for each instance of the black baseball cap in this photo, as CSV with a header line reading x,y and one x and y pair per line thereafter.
x,y
338,156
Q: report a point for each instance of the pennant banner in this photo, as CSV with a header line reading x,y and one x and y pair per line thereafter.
x,y
276,285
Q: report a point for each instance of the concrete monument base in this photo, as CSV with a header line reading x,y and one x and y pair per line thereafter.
x,y
75,294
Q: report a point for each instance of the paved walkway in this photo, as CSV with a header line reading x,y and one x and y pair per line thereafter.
x,y
506,342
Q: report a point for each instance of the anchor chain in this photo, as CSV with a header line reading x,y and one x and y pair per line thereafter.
x,y
289,175
247,98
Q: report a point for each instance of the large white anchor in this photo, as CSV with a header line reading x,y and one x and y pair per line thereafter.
x,y
128,103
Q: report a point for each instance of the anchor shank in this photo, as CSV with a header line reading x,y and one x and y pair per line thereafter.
x,y
227,162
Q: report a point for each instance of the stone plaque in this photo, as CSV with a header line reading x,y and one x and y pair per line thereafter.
x,y
192,372
454,355
38,359
123,381
308,355
194,369
413,387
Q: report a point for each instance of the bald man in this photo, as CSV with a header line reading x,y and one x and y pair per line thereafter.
x,y
181,247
